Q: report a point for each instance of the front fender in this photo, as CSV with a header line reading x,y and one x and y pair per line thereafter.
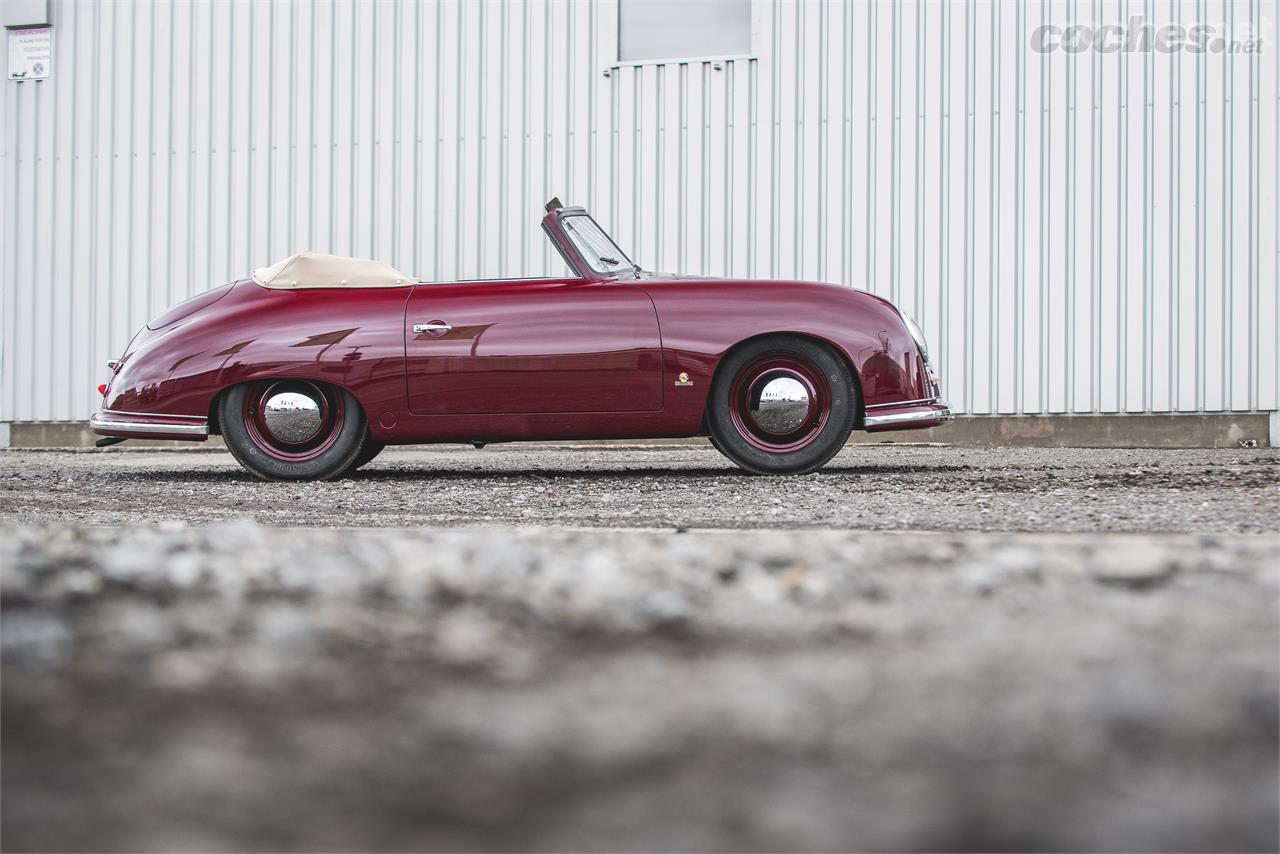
x,y
704,319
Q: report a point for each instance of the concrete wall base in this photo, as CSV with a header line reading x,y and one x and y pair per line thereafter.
x,y
1218,430
76,434
1192,430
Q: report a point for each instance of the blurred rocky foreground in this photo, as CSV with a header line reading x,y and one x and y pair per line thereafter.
x,y
239,687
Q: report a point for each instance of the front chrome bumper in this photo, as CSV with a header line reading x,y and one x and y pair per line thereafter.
x,y
909,417
146,425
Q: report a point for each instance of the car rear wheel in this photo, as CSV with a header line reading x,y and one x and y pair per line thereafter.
x,y
292,429
781,405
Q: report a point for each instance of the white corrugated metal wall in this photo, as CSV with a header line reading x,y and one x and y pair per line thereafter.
x,y
1076,232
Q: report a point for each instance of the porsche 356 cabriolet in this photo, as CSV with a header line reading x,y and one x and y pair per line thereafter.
x,y
315,364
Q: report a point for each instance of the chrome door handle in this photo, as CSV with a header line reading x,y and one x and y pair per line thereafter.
x,y
419,328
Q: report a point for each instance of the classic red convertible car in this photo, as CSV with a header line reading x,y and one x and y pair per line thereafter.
x,y
314,365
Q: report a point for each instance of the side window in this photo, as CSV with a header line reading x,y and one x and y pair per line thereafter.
x,y
679,29
557,264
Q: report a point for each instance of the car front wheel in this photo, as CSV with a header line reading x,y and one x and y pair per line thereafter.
x,y
781,405
292,429
371,448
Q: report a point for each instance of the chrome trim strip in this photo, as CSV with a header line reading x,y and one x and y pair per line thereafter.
x,y
921,402
115,428
943,415
152,414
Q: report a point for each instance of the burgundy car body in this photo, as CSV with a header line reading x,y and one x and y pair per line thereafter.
x,y
585,357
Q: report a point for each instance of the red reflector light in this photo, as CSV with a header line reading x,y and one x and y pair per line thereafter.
x,y
102,389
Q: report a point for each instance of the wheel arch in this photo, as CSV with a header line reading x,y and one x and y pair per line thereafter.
x,y
859,406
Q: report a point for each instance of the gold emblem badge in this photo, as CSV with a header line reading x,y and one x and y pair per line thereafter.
x,y
683,379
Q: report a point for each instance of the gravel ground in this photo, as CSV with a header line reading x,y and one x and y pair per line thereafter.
x,y
1048,650
873,487
237,687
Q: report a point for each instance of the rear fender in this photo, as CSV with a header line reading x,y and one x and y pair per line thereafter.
x,y
350,339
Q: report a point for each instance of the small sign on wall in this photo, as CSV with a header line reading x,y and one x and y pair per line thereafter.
x,y
30,53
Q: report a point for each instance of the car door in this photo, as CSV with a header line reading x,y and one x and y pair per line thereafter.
x,y
528,346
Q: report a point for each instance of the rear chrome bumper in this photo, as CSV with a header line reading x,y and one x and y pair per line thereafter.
x,y
146,425
909,417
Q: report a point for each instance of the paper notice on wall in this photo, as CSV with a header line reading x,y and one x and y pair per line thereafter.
x,y
30,53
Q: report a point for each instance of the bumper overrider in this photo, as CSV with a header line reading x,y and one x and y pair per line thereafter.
x,y
909,416
147,425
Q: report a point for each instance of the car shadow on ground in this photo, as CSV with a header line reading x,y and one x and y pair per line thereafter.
x,y
628,472
423,473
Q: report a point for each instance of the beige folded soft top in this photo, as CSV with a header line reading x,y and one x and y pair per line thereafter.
x,y
315,270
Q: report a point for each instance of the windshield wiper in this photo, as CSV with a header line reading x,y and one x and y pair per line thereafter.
x,y
612,262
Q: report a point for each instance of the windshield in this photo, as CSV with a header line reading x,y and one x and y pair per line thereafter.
x,y
596,248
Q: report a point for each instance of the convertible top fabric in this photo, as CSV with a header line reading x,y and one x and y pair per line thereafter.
x,y
315,270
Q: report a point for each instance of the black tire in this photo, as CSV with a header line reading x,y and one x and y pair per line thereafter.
x,y
329,453
799,440
371,448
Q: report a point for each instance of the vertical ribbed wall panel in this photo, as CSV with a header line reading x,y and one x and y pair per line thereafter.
x,y
1076,232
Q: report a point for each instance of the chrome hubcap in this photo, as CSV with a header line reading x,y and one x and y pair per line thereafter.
x,y
292,417
784,405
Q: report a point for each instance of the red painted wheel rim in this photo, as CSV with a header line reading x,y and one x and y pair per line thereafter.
x,y
745,402
275,443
